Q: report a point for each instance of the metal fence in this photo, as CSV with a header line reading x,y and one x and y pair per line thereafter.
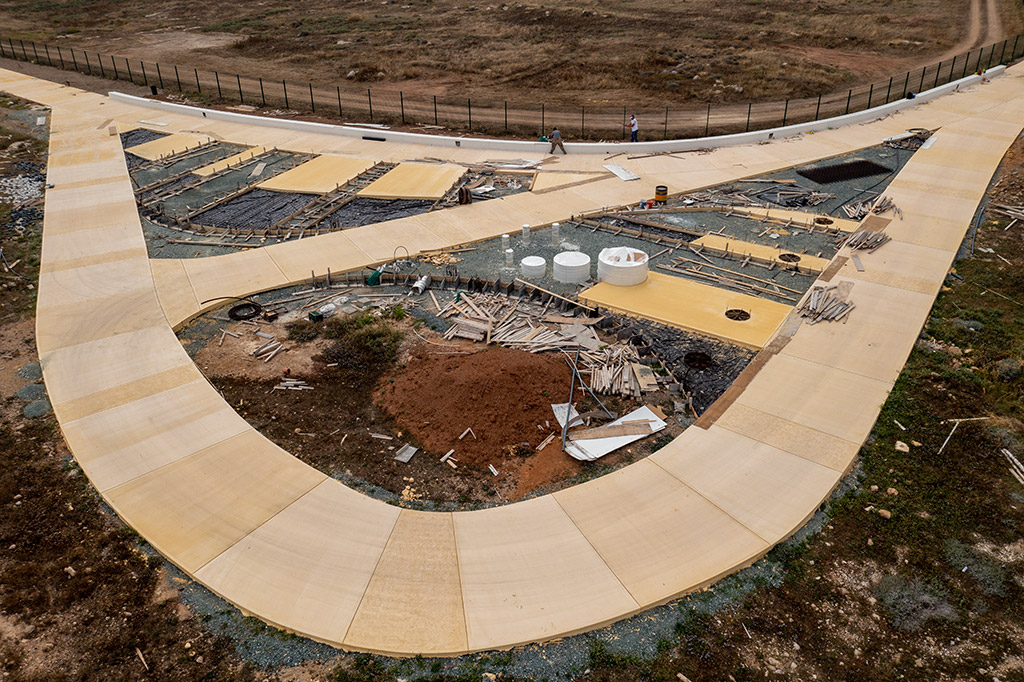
x,y
385,105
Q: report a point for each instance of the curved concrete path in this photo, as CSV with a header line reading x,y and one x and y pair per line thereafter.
x,y
302,551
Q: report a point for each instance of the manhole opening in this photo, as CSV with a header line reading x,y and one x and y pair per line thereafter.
x,y
790,258
823,221
698,360
848,170
737,314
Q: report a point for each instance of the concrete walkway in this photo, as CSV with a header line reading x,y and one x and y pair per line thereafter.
x,y
304,552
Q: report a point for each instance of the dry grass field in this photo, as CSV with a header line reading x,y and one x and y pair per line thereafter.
x,y
643,52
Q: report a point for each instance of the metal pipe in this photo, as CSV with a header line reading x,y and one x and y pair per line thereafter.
x,y
421,285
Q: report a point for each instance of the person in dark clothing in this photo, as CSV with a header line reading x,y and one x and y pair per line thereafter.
x,y
556,141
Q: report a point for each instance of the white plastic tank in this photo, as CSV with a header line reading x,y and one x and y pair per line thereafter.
x,y
533,266
571,267
622,266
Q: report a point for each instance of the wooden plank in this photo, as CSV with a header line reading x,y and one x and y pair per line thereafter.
x,y
612,431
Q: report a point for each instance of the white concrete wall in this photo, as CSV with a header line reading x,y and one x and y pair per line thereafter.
x,y
571,147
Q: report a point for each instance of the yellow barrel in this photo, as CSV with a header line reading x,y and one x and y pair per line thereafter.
x,y
661,194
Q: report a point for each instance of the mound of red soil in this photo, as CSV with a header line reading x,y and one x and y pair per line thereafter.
x,y
501,394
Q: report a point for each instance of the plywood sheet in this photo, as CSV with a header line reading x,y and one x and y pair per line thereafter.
x,y
798,217
195,508
759,252
306,568
766,489
545,182
175,143
414,181
319,176
419,571
528,573
658,535
69,324
174,290
802,441
875,338
232,160
78,370
837,402
117,445
697,307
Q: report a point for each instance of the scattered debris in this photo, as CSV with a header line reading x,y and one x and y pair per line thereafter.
x,y
1016,468
405,453
585,445
867,240
862,209
825,303
293,385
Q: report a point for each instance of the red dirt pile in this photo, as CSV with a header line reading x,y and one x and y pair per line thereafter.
x,y
501,394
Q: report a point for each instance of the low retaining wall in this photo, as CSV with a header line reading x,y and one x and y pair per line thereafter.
x,y
384,135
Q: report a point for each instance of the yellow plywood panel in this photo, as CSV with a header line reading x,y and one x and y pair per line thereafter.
x,y
697,307
657,534
85,368
126,392
233,160
96,281
195,508
60,325
717,243
307,567
131,254
117,445
335,251
802,441
529,574
420,570
798,217
876,337
319,176
904,265
386,241
71,218
414,181
239,274
545,182
837,402
768,490
177,299
175,143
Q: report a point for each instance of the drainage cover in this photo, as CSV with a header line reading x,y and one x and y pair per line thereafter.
x,y
847,170
737,314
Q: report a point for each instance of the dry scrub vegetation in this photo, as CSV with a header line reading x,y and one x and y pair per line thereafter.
x,y
574,52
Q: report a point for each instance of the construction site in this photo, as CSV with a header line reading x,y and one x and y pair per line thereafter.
x,y
369,404
758,245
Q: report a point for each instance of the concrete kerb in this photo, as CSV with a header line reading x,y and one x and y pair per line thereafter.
x,y
574,147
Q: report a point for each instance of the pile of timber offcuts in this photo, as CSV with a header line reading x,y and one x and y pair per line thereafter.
x,y
1015,212
683,265
613,369
862,209
866,240
785,193
827,304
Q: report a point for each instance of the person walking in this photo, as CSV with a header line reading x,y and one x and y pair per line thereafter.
x,y
556,141
634,128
